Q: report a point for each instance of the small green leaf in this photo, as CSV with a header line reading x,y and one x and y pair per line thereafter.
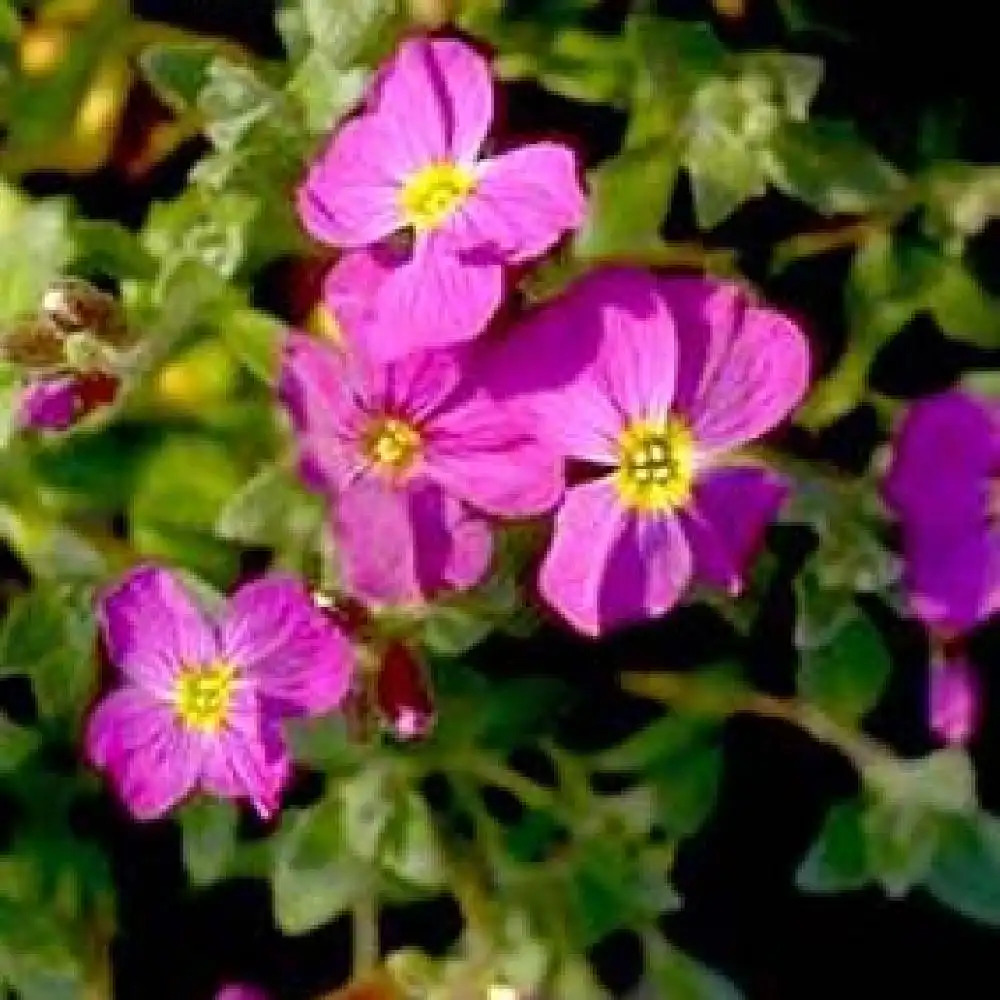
x,y
178,72
209,838
17,743
826,165
965,874
838,860
314,878
846,678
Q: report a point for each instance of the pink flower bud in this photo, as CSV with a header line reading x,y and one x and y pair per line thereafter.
x,y
953,699
403,694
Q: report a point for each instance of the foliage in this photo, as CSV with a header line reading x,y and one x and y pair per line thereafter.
x,y
193,467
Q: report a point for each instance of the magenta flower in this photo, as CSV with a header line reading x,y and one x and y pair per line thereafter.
x,y
57,403
410,163
240,991
653,382
414,459
203,699
953,699
941,487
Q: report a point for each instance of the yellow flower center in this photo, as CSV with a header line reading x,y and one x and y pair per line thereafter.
x,y
392,444
655,464
203,696
432,194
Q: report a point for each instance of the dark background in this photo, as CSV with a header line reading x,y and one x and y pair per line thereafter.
x,y
887,67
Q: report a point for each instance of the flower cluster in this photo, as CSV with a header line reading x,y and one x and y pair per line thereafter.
x,y
621,409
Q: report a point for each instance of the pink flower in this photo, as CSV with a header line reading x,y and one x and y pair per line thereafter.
x,y
203,699
59,402
652,383
240,991
410,162
953,699
942,487
414,459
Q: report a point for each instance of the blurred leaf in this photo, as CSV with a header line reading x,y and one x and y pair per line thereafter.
x,y
628,203
269,509
179,494
337,30
826,165
16,744
838,860
943,781
34,248
177,72
314,879
965,874
49,636
680,977
410,849
846,678
209,838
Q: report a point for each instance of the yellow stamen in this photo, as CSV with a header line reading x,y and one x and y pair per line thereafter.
x,y
655,464
203,695
430,196
392,445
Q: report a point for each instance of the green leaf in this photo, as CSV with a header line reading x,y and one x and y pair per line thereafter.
x,y
339,31
179,495
17,743
315,879
838,860
826,165
177,72
628,203
49,636
324,91
410,849
269,510
35,247
943,782
962,307
846,678
208,828
677,976
965,874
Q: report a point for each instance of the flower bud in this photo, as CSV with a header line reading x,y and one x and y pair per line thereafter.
x,y
953,699
403,694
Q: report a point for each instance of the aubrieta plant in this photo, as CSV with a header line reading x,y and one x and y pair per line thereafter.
x,y
334,480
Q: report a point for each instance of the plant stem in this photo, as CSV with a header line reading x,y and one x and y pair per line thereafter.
x,y
690,692
366,947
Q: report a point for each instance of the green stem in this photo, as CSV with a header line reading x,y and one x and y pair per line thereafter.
x,y
366,946
689,692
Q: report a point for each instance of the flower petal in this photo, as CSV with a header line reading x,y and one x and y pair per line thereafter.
x,y
50,404
725,522
437,97
743,367
152,627
946,452
248,765
319,390
239,991
350,196
607,567
953,699
151,760
524,201
486,453
601,355
939,485
435,299
297,658
401,543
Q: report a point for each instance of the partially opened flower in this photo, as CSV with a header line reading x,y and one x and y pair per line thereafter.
x,y
203,699
652,384
411,162
941,485
953,699
414,460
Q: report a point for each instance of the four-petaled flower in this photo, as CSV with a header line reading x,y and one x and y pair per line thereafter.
x,y
654,382
414,459
942,485
410,163
203,699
